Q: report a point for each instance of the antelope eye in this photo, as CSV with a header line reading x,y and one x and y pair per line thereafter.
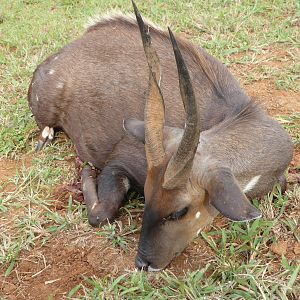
x,y
177,215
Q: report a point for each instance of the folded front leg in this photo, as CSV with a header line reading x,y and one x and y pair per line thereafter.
x,y
104,196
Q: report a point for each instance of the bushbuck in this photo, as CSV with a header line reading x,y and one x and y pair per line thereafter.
x,y
193,160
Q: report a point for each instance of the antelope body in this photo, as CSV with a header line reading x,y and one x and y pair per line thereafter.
x,y
96,82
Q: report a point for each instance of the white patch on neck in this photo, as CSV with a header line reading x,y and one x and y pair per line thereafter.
x,y
198,232
197,215
250,185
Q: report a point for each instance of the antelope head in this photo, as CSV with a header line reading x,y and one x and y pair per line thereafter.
x,y
179,200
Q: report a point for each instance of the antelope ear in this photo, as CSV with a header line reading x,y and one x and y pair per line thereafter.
x,y
136,128
227,197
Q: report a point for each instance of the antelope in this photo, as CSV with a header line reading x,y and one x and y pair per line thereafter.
x,y
192,161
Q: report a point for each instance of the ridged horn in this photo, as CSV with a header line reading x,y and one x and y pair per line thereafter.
x,y
154,114
180,165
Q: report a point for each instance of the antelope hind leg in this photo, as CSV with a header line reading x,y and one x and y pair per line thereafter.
x,y
46,137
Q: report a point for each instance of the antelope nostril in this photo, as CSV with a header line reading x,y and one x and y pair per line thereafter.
x,y
140,263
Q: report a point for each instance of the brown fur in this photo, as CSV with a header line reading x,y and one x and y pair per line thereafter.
x,y
91,85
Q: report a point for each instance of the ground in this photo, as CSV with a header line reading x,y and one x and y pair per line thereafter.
x,y
48,250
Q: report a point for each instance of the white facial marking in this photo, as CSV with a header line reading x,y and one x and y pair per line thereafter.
x,y
56,57
126,183
37,98
51,134
60,85
197,215
51,72
45,132
150,269
198,232
94,205
250,185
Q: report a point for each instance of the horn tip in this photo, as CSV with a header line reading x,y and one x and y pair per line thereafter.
x,y
172,37
135,8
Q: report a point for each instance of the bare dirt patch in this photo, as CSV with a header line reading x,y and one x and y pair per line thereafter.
x,y
294,169
68,258
54,269
296,159
276,102
8,169
266,67
57,267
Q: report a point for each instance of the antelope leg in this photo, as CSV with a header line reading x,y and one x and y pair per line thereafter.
x,y
45,138
103,196
89,190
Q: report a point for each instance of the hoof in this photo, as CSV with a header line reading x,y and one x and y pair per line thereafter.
x,y
46,138
100,216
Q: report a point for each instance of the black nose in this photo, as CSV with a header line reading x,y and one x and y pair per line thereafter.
x,y
141,263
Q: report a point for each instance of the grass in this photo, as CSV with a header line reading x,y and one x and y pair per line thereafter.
x,y
292,123
31,30
262,36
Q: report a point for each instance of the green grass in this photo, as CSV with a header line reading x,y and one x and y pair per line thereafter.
x,y
292,124
263,36
31,30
